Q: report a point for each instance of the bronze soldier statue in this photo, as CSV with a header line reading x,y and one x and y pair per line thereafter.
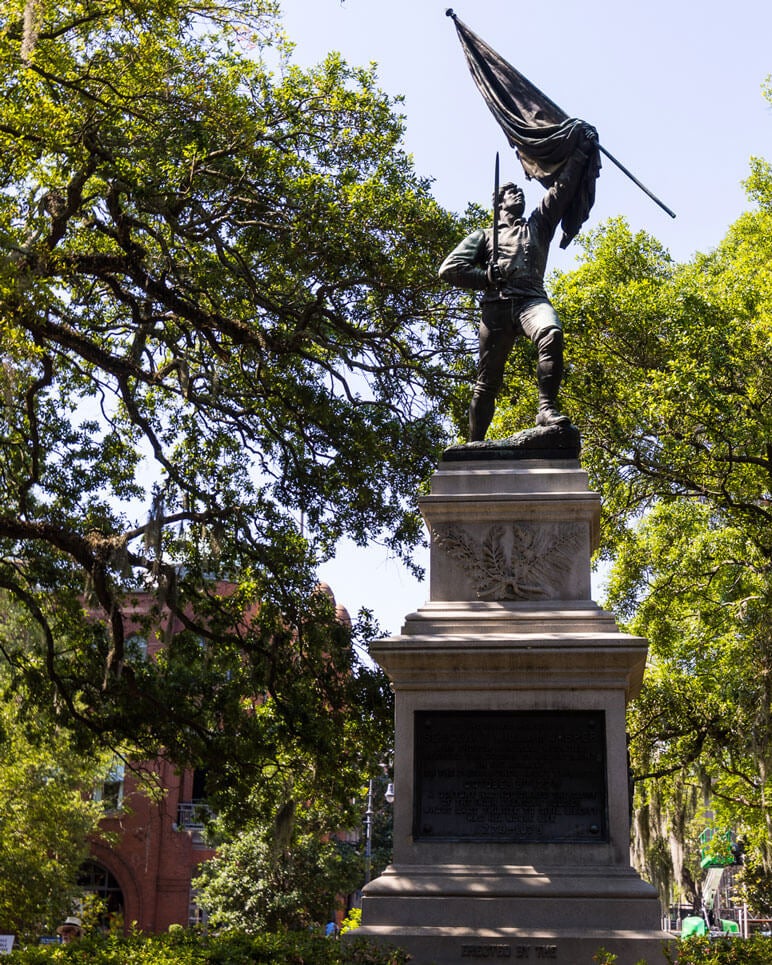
x,y
514,301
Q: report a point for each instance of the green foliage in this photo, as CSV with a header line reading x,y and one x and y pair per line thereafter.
x,y
233,948
256,884
603,957
756,950
754,885
669,374
186,948
287,867
225,348
302,949
45,823
359,951
352,921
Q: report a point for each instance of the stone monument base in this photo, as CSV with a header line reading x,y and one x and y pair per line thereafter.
x,y
440,945
567,914
512,806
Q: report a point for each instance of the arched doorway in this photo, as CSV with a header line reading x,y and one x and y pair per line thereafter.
x,y
94,878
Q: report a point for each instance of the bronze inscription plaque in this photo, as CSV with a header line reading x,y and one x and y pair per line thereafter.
x,y
517,776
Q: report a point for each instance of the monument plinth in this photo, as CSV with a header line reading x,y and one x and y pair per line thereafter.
x,y
511,816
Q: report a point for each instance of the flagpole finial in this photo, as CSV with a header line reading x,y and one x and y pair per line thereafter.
x,y
450,13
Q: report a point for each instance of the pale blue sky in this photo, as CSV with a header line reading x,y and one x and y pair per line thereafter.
x,y
674,89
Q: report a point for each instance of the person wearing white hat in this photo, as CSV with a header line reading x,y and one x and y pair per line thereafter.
x,y
70,929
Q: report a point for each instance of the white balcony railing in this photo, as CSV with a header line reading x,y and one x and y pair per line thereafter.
x,y
193,817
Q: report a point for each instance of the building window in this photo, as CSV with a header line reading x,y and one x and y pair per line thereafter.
x,y
136,647
95,879
110,791
198,792
195,815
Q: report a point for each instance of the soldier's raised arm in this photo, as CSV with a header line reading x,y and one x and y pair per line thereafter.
x,y
559,196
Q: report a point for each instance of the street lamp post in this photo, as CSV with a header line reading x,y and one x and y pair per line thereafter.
x,y
369,831
369,814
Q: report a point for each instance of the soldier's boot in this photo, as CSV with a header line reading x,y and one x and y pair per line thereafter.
x,y
549,375
550,415
481,412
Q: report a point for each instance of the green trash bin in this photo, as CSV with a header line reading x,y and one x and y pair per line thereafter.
x,y
730,927
693,925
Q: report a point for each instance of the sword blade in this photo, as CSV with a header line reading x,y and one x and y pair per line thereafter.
x,y
496,211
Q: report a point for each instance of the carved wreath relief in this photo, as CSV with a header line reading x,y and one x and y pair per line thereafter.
x,y
519,562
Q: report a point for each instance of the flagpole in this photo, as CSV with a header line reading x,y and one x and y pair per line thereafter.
x,y
635,180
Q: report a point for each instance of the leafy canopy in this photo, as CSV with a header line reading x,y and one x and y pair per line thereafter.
x,y
46,824
224,348
254,886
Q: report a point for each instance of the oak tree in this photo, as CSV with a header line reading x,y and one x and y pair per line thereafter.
x,y
224,348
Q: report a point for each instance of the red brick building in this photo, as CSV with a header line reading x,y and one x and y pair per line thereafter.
x,y
145,876
156,836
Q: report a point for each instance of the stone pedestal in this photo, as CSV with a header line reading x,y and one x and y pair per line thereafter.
x,y
511,817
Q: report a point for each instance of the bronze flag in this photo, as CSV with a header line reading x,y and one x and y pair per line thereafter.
x,y
542,134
